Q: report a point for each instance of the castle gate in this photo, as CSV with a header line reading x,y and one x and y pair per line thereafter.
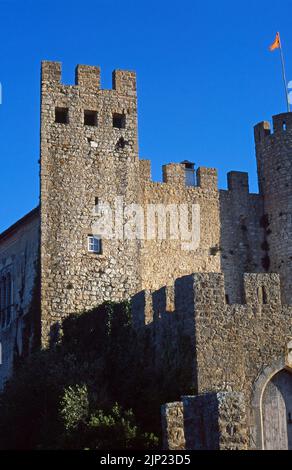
x,y
277,412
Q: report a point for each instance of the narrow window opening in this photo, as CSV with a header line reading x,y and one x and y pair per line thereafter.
x,y
6,300
265,297
262,295
119,121
227,299
96,203
94,244
90,118
9,299
62,115
3,301
284,126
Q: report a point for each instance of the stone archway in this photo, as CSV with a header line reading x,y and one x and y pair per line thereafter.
x,y
256,428
276,410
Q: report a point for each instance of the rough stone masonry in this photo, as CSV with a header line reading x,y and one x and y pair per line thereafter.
x,y
231,297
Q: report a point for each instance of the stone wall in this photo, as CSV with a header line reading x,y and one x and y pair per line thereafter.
x,y
212,421
223,325
80,163
215,421
172,416
242,238
229,345
164,260
233,343
274,162
19,248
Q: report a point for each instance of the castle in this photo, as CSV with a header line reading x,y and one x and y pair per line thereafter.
x,y
231,296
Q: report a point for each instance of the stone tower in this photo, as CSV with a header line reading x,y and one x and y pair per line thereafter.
x,y
89,154
274,161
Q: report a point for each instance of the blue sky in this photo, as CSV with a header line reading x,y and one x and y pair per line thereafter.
x,y
205,77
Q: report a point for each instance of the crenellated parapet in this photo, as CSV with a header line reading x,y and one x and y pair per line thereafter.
x,y
89,77
176,174
238,181
207,178
223,347
86,117
282,125
205,292
150,306
262,289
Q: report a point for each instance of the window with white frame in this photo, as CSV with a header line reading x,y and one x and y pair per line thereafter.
x,y
6,299
94,244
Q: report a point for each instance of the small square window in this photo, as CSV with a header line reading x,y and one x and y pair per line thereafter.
x,y
94,244
119,121
90,118
62,115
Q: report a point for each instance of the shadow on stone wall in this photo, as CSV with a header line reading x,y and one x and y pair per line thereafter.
x,y
103,351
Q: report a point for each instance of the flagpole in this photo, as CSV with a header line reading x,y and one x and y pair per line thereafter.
x,y
284,75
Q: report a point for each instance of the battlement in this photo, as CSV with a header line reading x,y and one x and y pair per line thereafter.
x,y
204,178
202,290
88,77
281,123
262,289
207,178
173,173
238,181
177,174
209,289
149,306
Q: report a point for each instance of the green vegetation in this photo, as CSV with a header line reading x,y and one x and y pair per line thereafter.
x,y
92,389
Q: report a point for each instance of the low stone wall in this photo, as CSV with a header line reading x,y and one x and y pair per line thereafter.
x,y
213,421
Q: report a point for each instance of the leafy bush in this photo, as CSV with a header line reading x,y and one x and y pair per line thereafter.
x,y
115,429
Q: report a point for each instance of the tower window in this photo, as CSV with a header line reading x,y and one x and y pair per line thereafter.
x,y
62,115
6,299
96,208
119,121
284,126
90,118
262,295
94,244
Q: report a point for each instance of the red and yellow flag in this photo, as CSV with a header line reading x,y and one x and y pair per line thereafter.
x,y
277,43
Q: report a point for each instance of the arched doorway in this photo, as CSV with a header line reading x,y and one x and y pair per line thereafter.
x,y
277,412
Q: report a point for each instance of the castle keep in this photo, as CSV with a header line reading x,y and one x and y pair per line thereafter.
x,y
231,297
